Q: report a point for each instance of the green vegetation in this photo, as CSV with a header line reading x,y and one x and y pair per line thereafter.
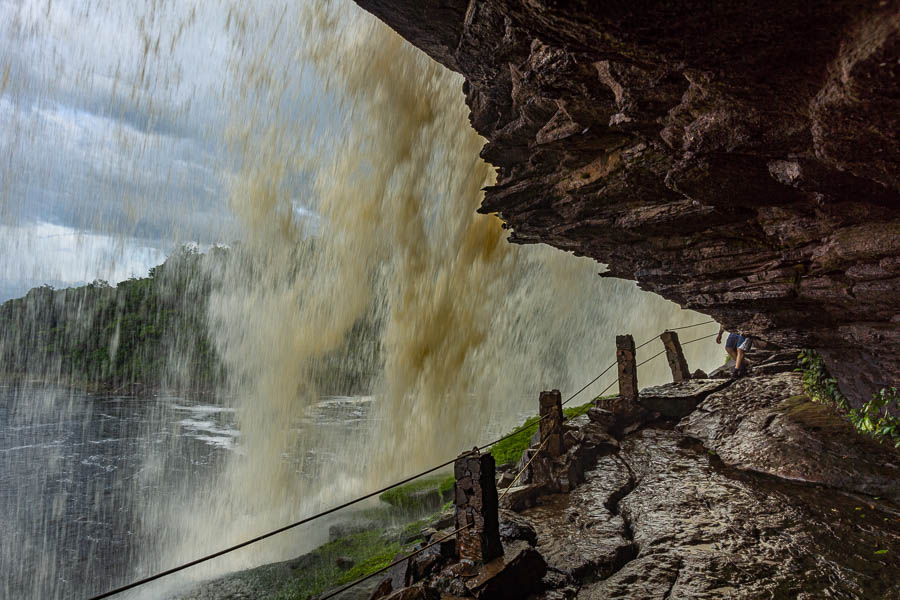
x,y
872,418
421,493
818,384
415,495
106,337
369,551
150,332
510,450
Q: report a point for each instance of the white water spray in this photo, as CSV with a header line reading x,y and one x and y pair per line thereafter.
x,y
352,177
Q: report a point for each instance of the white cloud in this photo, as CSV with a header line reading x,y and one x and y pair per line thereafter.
x,y
114,117
53,253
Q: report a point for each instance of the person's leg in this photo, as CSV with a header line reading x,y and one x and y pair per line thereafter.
x,y
742,348
731,345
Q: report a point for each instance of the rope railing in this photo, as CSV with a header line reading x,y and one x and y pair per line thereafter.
x,y
519,474
372,494
649,341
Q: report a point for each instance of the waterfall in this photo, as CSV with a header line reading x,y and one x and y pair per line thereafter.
x,y
357,264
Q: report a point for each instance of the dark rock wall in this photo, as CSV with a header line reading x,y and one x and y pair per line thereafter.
x,y
739,158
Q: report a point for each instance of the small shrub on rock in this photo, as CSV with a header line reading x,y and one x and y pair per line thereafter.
x,y
818,383
874,419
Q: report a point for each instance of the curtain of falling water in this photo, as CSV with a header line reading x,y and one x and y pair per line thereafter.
x,y
353,177
472,328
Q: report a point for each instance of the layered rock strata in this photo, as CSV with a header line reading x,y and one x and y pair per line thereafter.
x,y
738,158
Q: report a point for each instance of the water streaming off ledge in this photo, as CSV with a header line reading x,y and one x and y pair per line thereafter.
x,y
363,320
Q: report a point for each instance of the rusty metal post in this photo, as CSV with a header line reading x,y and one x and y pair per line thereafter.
x,y
675,356
551,423
625,356
475,495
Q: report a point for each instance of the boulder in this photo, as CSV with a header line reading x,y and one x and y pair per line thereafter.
x,y
384,589
768,425
424,563
677,400
601,417
399,574
512,576
520,497
596,435
627,415
723,372
505,480
515,528
772,368
444,521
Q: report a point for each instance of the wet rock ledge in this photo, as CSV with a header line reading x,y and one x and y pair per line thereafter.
x,y
755,493
738,158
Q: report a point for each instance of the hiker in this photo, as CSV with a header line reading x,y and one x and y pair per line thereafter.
x,y
736,345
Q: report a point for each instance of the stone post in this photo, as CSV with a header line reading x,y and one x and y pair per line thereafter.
x,y
675,356
625,353
475,493
551,423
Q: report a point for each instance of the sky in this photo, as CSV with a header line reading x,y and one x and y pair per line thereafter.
x,y
114,119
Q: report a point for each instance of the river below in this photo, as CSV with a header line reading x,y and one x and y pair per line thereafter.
x,y
80,473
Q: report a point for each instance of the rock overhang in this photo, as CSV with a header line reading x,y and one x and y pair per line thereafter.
x,y
740,159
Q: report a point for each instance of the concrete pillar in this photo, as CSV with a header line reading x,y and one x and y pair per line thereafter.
x,y
675,356
625,356
475,493
551,423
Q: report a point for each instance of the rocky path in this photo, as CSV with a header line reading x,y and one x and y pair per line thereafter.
x,y
667,516
708,488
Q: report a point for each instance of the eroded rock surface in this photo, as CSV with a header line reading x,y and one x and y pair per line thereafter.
x,y
706,531
739,158
757,493
581,534
766,424
679,399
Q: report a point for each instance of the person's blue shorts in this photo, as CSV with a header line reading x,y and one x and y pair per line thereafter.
x,y
734,340
738,341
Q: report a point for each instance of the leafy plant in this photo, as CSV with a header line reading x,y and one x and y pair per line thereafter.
x,y
818,383
874,419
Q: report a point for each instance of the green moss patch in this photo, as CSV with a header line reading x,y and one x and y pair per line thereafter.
x,y
368,550
510,450
426,493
